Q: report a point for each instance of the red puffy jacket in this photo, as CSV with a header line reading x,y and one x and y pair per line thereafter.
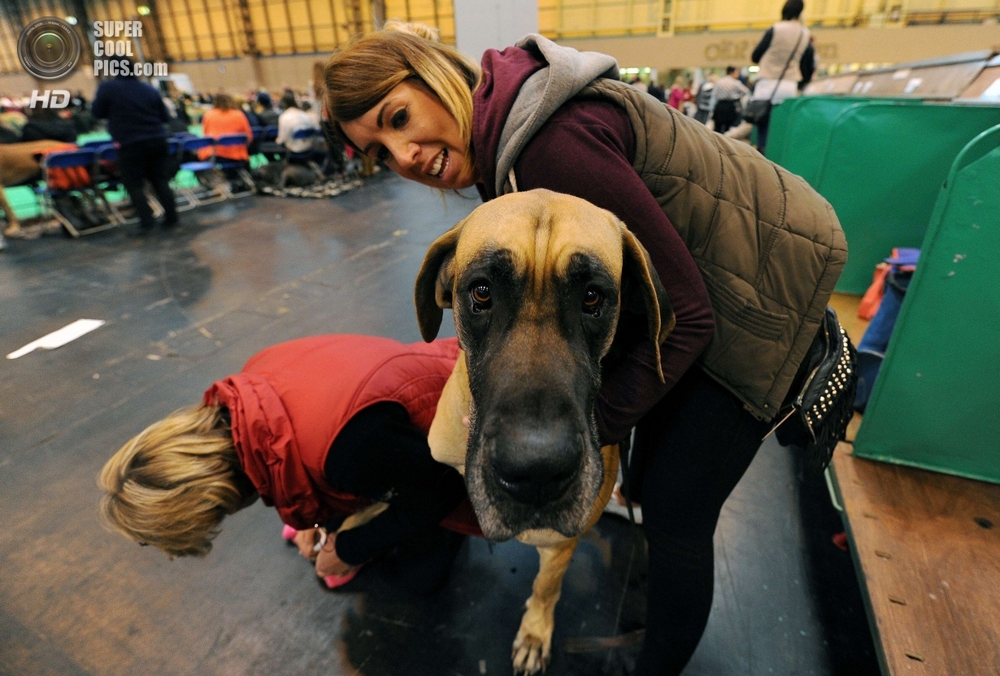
x,y
291,400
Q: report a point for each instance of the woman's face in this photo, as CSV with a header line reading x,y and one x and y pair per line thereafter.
x,y
415,135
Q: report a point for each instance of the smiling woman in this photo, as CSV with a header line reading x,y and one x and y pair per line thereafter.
x,y
748,255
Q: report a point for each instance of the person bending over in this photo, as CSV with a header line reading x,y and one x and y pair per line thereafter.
x,y
318,428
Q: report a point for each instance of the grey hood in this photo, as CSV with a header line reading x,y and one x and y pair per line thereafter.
x,y
568,72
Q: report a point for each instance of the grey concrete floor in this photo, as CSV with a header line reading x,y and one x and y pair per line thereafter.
x,y
187,307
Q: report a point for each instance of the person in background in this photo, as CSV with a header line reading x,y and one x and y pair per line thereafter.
x,y
787,62
225,118
82,119
246,107
678,93
423,108
182,112
318,428
136,121
174,124
656,91
45,124
312,111
292,118
806,79
726,100
703,99
267,115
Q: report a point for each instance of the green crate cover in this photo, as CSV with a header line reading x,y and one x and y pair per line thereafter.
x,y
880,163
936,402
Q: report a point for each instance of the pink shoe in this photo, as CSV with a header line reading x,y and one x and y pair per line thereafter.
x,y
334,581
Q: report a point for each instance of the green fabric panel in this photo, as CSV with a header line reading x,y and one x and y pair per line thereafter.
x,y
93,136
800,130
781,117
936,403
882,170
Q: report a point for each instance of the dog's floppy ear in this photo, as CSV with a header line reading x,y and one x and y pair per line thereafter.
x,y
642,291
435,281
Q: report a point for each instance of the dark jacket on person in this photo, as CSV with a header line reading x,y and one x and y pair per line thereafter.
x,y
134,110
268,117
719,220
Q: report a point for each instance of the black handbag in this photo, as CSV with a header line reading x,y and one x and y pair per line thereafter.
x,y
821,401
758,110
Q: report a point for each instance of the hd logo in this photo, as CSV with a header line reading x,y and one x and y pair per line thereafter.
x,y
49,98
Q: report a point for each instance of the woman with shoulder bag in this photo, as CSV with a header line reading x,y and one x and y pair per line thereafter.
x,y
747,252
785,55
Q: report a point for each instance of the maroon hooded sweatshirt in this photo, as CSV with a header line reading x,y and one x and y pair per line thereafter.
x,y
586,149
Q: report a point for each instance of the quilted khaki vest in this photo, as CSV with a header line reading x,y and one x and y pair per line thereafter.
x,y
769,247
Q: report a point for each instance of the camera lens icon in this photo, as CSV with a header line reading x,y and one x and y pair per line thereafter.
x,y
49,48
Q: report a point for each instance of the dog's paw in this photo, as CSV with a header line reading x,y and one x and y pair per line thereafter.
x,y
531,653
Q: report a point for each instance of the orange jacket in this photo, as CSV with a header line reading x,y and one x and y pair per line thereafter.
x,y
218,123
66,179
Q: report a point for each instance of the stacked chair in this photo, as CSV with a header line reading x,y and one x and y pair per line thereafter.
x,y
210,188
90,178
82,189
237,166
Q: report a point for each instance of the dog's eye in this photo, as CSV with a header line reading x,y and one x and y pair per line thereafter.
x,y
481,298
592,301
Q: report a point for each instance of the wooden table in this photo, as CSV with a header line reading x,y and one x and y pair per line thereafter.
x,y
927,549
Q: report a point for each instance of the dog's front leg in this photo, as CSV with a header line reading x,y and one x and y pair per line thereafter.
x,y
533,645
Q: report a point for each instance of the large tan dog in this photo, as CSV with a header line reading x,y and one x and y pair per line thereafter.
x,y
18,163
536,282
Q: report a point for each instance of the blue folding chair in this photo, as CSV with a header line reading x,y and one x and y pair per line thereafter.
x,y
237,166
307,157
304,134
105,181
214,190
85,159
96,144
272,152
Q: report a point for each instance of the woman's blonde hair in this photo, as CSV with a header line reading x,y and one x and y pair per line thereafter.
x,y
171,485
363,73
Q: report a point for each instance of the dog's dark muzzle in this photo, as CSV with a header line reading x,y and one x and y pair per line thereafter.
x,y
536,461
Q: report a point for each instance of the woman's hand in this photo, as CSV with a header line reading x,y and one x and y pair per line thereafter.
x,y
306,541
328,563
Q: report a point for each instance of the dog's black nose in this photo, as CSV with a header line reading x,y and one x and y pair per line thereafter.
x,y
535,464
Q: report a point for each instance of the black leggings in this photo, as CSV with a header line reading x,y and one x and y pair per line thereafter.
x,y
690,451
